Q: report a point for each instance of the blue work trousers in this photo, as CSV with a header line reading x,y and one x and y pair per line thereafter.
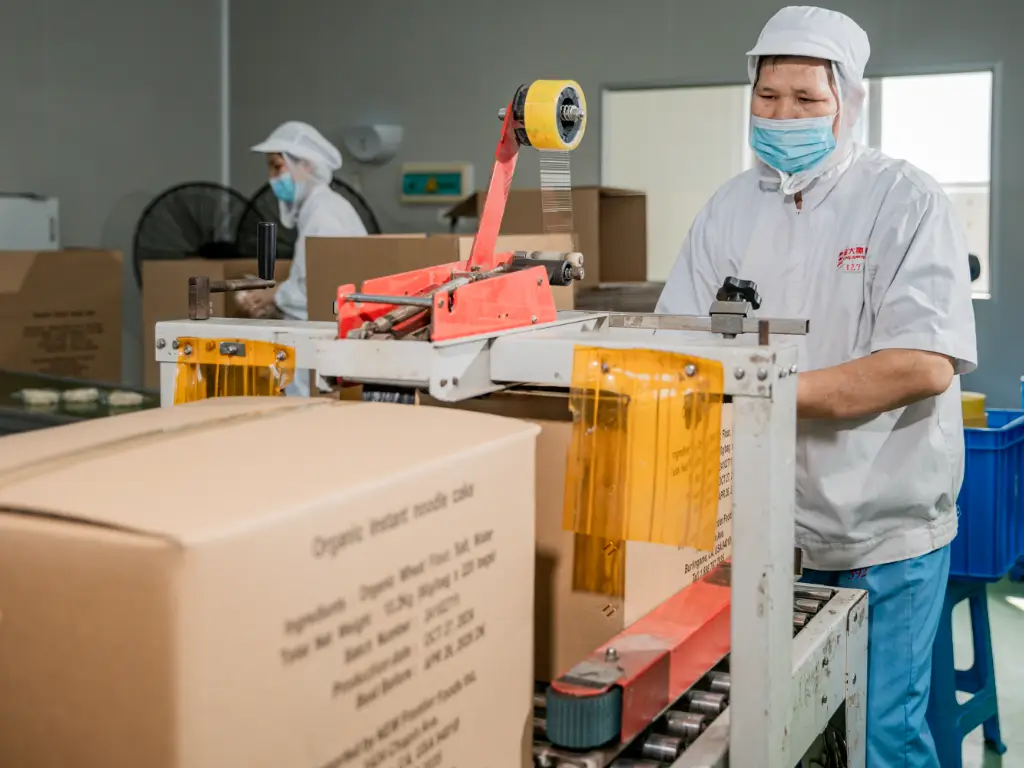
x,y
905,602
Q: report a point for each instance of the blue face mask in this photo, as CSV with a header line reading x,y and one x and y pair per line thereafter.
x,y
792,146
284,188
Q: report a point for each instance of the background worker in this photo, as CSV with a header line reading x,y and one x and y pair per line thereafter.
x,y
301,164
869,250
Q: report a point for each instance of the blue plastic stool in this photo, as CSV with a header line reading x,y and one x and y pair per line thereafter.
x,y
949,720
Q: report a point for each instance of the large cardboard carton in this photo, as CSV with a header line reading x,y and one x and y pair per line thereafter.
x,y
335,261
168,603
611,225
165,296
60,313
569,624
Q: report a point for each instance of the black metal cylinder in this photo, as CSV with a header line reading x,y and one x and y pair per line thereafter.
x,y
559,272
266,249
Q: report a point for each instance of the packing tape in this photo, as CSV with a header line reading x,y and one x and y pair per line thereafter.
x,y
556,193
33,469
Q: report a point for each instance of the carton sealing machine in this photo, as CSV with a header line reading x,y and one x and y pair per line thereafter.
x,y
741,668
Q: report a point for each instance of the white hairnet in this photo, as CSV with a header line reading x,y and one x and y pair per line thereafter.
x,y
301,141
311,160
802,30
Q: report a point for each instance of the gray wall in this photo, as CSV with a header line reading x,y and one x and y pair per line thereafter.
x,y
442,68
106,103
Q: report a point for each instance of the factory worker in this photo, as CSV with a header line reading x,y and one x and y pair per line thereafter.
x,y
301,164
869,250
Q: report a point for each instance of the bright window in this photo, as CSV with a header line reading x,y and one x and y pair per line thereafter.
x,y
940,123
943,125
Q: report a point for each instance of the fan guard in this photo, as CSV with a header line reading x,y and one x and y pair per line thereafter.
x,y
197,218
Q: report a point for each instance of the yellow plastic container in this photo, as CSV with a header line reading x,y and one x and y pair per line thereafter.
x,y
973,405
643,462
231,368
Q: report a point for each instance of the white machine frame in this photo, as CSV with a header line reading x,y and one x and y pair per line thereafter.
x,y
784,690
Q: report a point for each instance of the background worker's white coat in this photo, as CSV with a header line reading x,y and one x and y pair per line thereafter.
x,y
875,259
318,211
324,213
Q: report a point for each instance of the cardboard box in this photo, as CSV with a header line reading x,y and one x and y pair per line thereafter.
x,y
570,624
611,224
347,608
336,261
60,313
165,297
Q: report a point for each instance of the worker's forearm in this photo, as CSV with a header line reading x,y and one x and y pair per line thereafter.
x,y
871,385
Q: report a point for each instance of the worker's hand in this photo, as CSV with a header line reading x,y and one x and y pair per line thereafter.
x,y
257,304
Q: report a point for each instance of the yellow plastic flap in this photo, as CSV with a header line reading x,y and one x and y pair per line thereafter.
x,y
598,566
210,368
643,463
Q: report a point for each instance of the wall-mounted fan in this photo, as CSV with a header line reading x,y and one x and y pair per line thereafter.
x,y
194,219
263,206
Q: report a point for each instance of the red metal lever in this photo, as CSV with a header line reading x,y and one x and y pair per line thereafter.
x,y
482,255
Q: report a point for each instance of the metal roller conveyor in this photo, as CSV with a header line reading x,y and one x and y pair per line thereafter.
x,y
706,702
686,725
667,742
663,749
807,606
719,682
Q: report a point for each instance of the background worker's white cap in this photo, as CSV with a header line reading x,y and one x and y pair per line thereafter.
x,y
801,30
302,142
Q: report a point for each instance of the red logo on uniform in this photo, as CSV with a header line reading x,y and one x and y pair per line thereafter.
x,y
852,259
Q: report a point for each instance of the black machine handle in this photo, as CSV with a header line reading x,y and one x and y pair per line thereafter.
x,y
266,249
734,289
200,288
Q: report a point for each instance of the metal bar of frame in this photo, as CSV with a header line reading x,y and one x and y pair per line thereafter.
x,y
761,656
857,683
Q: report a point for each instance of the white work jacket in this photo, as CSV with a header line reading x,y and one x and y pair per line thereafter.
x,y
324,213
875,259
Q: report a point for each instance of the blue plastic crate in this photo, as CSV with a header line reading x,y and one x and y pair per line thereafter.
x,y
991,535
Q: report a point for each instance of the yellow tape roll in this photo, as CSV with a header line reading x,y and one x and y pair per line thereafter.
x,y
542,114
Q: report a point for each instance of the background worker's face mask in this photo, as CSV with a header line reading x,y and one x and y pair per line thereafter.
x,y
283,187
792,146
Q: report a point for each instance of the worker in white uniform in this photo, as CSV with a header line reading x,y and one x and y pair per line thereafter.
x,y
869,250
301,164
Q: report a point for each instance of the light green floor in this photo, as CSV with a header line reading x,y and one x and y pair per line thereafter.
x,y
1006,618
